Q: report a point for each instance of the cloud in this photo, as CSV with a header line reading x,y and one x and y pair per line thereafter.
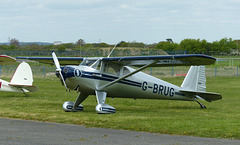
x,y
125,6
100,17
174,11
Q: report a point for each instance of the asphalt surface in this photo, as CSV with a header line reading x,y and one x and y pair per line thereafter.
x,y
19,132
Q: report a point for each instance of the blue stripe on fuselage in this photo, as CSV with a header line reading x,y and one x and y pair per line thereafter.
x,y
180,94
70,72
104,77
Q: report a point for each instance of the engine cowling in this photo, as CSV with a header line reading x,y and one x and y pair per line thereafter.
x,y
68,107
105,109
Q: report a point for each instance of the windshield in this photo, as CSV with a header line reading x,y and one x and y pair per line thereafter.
x,y
88,62
93,63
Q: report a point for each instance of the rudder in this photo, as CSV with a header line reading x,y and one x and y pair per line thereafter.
x,y
195,79
194,85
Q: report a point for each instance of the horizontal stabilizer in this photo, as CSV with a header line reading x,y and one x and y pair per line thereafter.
x,y
205,95
29,88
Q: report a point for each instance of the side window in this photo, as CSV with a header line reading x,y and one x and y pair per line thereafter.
x,y
111,68
125,71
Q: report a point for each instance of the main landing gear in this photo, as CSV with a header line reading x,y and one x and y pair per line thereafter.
x,y
75,106
103,108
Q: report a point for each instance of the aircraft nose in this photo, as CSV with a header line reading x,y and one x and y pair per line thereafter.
x,y
67,72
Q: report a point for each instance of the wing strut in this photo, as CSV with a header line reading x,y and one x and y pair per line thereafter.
x,y
113,49
125,76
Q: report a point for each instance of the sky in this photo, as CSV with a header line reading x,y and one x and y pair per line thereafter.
x,y
112,21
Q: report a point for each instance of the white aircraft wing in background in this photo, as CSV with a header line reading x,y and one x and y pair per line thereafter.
x,y
7,60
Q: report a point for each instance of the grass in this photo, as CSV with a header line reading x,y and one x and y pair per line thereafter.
x,y
219,120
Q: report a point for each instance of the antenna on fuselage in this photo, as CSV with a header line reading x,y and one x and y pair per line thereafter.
x,y
113,49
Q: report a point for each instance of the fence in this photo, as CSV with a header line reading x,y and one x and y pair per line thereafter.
x,y
105,51
46,71
182,71
228,62
224,66
85,53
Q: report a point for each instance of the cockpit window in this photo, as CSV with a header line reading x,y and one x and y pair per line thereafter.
x,y
94,63
125,71
88,62
112,68
97,63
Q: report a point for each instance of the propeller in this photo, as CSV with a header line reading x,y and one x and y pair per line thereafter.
x,y
58,68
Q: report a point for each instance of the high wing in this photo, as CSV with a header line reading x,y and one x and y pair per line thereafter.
x,y
163,60
6,60
138,61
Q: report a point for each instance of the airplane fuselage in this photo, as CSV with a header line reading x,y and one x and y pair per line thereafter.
x,y
5,87
139,85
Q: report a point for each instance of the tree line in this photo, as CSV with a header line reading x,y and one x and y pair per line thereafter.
x,y
225,45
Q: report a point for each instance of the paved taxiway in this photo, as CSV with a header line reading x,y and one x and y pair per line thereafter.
x,y
19,132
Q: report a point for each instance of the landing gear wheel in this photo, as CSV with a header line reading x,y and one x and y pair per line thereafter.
x,y
68,107
105,109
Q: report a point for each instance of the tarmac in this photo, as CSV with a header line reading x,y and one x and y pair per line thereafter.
x,y
20,132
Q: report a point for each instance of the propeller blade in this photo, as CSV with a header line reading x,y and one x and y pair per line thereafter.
x,y
63,80
56,62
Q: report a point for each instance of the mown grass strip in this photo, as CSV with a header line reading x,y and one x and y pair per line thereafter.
x,y
220,119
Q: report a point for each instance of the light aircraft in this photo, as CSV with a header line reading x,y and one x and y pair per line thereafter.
x,y
113,77
22,79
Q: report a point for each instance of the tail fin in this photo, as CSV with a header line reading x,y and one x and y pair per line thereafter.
x,y
23,77
195,84
195,79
